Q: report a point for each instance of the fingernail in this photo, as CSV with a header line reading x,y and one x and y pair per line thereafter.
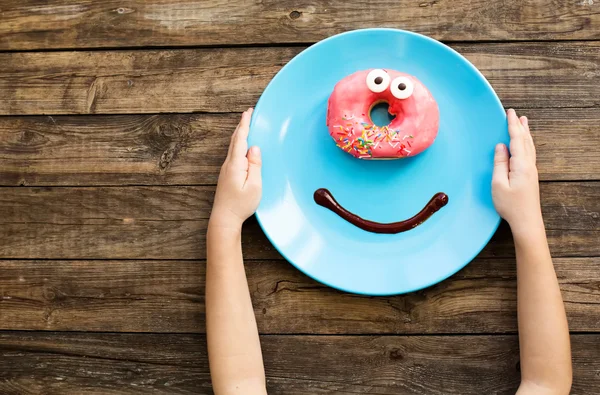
x,y
254,150
250,109
499,148
526,121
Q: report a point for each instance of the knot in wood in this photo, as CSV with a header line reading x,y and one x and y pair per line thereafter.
x,y
295,14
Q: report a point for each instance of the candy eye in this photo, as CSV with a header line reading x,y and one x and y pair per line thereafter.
x,y
378,80
402,87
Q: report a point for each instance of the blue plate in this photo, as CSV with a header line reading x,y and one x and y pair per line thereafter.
x,y
300,157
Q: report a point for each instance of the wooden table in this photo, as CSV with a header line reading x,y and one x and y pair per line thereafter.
x,y
115,118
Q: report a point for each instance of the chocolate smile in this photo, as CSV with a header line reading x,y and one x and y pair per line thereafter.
x,y
324,198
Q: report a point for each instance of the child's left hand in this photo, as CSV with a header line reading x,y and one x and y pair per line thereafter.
x,y
239,187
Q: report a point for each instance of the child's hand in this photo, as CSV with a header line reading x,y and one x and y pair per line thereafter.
x,y
239,187
515,186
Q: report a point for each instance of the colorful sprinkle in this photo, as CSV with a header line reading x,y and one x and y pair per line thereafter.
x,y
364,140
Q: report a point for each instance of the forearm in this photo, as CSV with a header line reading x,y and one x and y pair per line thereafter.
x,y
543,329
233,344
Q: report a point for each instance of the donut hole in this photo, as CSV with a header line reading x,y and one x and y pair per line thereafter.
x,y
380,115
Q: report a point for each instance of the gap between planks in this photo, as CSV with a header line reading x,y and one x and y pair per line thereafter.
x,y
274,45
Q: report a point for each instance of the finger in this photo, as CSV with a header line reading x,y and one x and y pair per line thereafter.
x,y
525,122
515,128
501,166
529,145
240,142
517,134
533,149
233,137
526,135
254,179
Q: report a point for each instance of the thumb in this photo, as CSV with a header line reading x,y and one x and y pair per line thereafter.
x,y
254,165
501,166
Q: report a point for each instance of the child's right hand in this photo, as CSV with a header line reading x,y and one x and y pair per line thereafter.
x,y
515,185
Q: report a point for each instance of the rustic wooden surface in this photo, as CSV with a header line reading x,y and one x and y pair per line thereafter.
x,y
31,24
114,120
70,363
168,297
188,149
169,222
525,75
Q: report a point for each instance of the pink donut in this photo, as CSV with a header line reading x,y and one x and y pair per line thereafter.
x,y
411,132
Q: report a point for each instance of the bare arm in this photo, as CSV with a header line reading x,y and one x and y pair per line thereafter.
x,y
543,329
234,352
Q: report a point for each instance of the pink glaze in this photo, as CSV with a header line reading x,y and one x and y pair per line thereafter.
x,y
411,132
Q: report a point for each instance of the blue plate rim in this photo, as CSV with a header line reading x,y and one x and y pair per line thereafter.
x,y
393,31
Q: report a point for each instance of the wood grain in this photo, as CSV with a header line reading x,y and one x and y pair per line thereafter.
x,y
188,149
53,364
82,24
526,75
119,150
170,223
96,363
168,297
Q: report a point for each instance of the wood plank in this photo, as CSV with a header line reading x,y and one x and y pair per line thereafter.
x,y
119,296
27,24
176,364
122,149
170,223
74,363
168,297
188,149
527,75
